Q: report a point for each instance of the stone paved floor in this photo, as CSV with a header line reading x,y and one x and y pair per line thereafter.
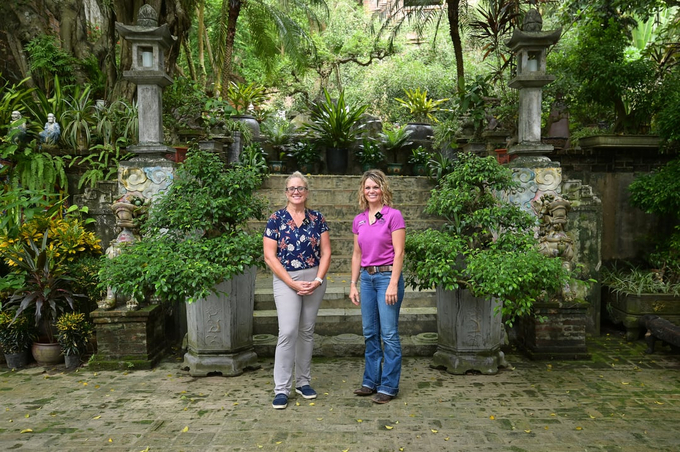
x,y
621,400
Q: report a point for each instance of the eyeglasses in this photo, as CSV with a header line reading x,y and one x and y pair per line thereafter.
x,y
296,189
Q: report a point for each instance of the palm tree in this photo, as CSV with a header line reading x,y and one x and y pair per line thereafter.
x,y
272,27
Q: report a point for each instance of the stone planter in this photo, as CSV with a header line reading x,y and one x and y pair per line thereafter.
x,y
620,142
220,329
470,333
627,309
561,335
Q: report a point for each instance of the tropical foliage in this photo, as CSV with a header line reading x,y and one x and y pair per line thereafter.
x,y
198,226
486,245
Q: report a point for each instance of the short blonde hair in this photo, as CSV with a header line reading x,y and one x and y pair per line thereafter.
x,y
379,178
296,175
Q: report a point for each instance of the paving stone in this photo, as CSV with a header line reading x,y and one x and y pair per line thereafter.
x,y
621,400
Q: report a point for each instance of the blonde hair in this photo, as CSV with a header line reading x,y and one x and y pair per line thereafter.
x,y
379,178
296,175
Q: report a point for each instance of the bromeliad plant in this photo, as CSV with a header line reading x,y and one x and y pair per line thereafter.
x,y
420,107
242,96
195,236
486,245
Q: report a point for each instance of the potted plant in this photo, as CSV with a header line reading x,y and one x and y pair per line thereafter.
x,y
422,110
243,97
278,134
45,292
16,336
419,159
483,262
78,119
651,287
46,289
306,156
392,140
369,154
333,124
197,249
73,333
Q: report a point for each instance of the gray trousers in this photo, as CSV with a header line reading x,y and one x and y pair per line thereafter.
x,y
297,318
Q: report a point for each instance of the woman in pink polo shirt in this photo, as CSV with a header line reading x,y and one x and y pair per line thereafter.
x,y
377,260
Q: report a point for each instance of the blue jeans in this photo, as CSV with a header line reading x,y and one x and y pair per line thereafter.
x,y
381,321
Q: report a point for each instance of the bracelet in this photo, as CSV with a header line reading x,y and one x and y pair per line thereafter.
x,y
353,282
318,279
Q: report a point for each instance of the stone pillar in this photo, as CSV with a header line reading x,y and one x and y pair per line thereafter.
x,y
128,331
529,45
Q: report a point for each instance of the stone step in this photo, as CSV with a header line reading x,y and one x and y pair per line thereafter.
x,y
348,344
331,322
278,182
342,228
337,296
338,315
344,197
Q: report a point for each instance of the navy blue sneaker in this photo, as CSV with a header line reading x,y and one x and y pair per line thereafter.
x,y
280,401
306,391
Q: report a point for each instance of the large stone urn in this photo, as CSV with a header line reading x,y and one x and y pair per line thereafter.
x,y
470,333
220,329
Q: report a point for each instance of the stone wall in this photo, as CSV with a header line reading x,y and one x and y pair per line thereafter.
x,y
627,232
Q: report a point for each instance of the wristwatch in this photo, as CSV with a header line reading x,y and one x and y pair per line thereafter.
x,y
318,279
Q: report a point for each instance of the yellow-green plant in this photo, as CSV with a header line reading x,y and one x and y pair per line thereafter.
x,y
73,333
242,96
16,334
420,106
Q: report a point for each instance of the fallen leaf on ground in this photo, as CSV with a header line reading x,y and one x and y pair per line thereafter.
x,y
185,429
389,427
97,417
27,430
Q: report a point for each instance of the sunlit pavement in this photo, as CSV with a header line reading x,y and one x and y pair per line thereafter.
x,y
621,400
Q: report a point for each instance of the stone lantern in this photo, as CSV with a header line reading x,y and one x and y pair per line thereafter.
x,y
529,45
149,43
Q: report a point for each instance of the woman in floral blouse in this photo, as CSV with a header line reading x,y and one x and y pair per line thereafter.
x,y
297,249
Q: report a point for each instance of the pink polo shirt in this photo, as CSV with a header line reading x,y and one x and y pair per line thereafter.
x,y
375,240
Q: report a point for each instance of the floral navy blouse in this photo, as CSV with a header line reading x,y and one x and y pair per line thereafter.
x,y
298,248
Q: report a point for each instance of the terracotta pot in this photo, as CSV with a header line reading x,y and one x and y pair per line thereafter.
x,y
47,353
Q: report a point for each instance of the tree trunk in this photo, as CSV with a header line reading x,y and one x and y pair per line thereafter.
x,y
233,11
201,34
190,61
454,31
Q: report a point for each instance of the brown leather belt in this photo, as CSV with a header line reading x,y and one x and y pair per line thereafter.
x,y
373,270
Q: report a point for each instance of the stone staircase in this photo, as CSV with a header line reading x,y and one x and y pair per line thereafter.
x,y
336,198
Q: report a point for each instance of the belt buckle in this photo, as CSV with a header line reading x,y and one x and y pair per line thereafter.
x,y
372,270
